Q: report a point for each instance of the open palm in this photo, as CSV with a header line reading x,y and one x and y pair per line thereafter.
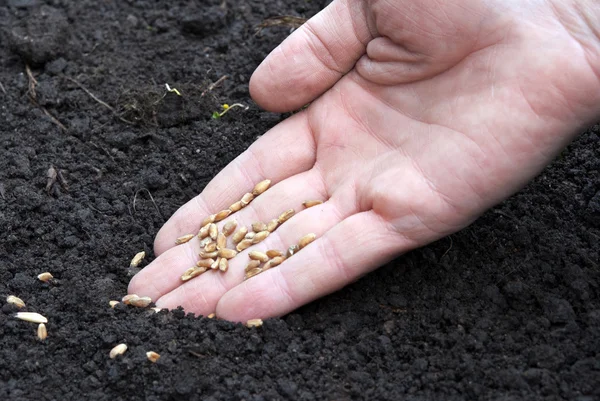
x,y
423,115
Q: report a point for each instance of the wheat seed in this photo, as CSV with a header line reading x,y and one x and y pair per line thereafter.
x,y
272,225
42,333
244,244
236,207
307,239
311,203
257,255
205,263
192,272
223,214
113,303
16,301
203,233
128,298
223,264
239,235
141,302
221,241
45,277
250,235
260,237
118,350
152,356
273,253
213,231
246,199
32,317
285,216
276,261
267,266
211,246
208,220
259,226
254,323
205,242
211,316
253,264
227,253
252,273
261,187
137,259
183,239
208,255
292,250
229,228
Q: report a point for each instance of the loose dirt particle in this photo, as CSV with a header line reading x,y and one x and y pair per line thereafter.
x,y
236,207
16,301
259,226
213,231
273,253
260,237
45,277
205,263
152,356
246,199
252,273
311,203
261,187
223,264
285,216
254,323
208,220
307,239
227,253
183,239
32,317
221,241
229,228
223,214
141,302
257,255
239,235
208,255
244,244
118,350
137,259
42,333
113,303
253,264
292,250
272,225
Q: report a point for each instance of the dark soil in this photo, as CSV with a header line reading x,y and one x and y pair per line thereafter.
x,y
506,309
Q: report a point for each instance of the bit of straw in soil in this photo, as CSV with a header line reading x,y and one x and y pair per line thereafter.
x,y
16,301
152,356
137,259
32,317
311,203
118,350
42,333
45,277
254,323
183,239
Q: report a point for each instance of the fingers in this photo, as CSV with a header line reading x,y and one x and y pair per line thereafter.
x,y
313,58
352,248
284,151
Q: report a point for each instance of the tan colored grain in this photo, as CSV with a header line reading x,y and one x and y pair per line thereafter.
x,y
250,235
215,265
152,356
229,228
192,272
137,259
32,317
273,253
311,203
254,323
205,263
42,333
239,235
128,298
252,273
257,255
16,301
211,316
260,237
223,264
221,241
285,216
272,225
246,199
205,242
276,261
244,244
259,226
213,231
118,350
211,246
227,253
141,302
223,214
307,239
113,303
208,220
208,255
45,277
183,239
253,264
236,207
261,187
267,266
203,233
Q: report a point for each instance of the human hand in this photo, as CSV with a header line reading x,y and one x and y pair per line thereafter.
x,y
423,115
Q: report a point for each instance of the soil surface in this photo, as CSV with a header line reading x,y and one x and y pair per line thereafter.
x,y
507,309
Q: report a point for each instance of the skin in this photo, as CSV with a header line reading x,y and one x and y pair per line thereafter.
x,y
423,115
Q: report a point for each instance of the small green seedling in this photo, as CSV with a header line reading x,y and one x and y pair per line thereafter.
x,y
226,108
169,89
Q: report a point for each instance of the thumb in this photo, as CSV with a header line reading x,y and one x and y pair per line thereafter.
x,y
313,58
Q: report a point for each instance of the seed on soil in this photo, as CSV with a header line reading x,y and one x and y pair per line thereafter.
x,y
257,255
208,255
307,239
292,250
260,237
183,239
276,261
229,228
272,225
285,216
252,273
42,333
311,203
253,264
223,214
156,309
118,350
227,253
210,247
239,235
273,253
223,264
259,226
128,298
208,220
213,231
221,241
246,199
141,302
215,265
16,301
236,207
244,244
205,263
250,235
211,316
261,187
254,323
203,233
152,356
137,259
32,317
45,277
113,303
